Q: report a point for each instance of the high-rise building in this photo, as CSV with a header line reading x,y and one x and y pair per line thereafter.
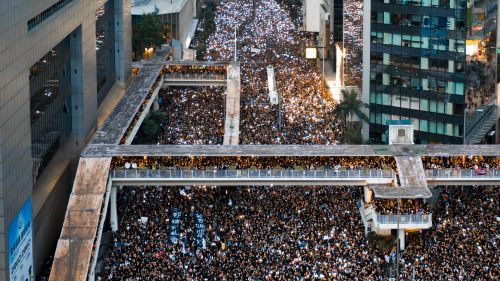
x,y
58,61
432,62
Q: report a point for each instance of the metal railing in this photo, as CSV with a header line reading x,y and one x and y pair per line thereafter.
x,y
252,174
194,76
405,219
462,173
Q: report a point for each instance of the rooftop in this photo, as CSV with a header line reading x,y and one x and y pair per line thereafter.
x,y
161,6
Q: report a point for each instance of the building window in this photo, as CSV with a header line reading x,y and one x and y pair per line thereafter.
x,y
36,20
50,104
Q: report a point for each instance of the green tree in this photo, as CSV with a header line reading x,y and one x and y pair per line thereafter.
x,y
350,108
149,129
353,136
149,31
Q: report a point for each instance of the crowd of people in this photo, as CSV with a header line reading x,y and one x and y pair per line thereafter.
x,y
253,233
353,42
194,69
266,35
249,162
463,243
406,206
461,162
192,115
293,233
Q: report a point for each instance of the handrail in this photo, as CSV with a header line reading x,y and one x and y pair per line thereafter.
x,y
462,173
404,219
250,173
477,124
195,76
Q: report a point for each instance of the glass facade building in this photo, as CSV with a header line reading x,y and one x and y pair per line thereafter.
x,y
50,107
432,62
105,54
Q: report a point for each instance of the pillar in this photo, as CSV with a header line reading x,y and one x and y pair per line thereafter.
x,y
123,41
155,106
401,236
368,194
114,212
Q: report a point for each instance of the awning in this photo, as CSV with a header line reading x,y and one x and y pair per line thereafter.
x,y
390,192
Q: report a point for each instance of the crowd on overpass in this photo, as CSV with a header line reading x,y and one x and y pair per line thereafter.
x,y
461,162
249,162
266,35
406,206
295,233
194,70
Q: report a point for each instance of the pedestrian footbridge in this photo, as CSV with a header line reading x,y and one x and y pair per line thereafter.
x,y
190,80
133,177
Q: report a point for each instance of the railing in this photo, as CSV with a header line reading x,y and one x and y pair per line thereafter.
x,y
462,173
252,174
194,76
405,219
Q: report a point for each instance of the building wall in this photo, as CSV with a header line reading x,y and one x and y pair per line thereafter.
x,y
19,50
312,19
185,21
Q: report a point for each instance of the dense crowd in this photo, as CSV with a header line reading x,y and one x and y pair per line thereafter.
x,y
192,115
261,233
266,35
294,233
194,69
461,162
406,206
248,162
463,243
353,42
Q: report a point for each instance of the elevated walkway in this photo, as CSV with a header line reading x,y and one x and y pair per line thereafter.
x,y
75,247
383,223
463,177
133,177
190,80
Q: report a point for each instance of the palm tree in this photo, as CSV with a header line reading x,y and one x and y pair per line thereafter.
x,y
353,136
350,107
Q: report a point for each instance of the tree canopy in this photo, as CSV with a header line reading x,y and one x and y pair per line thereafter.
x,y
148,32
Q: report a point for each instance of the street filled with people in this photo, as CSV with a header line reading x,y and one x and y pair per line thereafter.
x,y
293,233
191,115
266,35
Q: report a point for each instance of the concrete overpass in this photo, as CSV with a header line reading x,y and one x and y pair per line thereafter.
x,y
176,177
193,80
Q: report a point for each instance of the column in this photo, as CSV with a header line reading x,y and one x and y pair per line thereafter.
x,y
114,212
401,236
123,41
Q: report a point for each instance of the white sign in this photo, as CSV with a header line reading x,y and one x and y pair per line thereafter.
x,y
311,53
271,85
20,245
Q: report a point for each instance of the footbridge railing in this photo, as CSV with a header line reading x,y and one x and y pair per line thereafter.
x,y
248,176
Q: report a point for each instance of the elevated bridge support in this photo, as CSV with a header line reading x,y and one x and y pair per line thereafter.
x,y
232,121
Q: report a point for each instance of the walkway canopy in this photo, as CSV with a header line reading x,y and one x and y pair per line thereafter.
x,y
408,192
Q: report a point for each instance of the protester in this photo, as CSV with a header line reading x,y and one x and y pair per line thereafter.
x,y
266,35
293,233
192,115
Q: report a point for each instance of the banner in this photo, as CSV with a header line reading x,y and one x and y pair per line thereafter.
x,y
20,244
199,230
175,226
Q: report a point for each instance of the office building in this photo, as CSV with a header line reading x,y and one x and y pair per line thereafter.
x,y
58,61
432,62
